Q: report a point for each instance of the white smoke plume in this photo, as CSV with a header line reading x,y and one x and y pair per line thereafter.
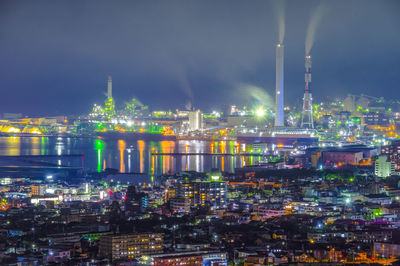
x,y
188,106
315,20
178,72
185,86
279,10
255,95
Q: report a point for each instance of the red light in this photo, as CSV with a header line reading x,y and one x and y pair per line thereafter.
x,y
109,192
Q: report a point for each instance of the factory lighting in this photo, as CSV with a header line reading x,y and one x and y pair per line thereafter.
x,y
260,112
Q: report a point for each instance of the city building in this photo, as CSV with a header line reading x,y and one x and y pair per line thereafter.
x,y
116,247
136,201
195,120
376,118
180,205
393,151
343,157
186,258
384,167
210,193
38,190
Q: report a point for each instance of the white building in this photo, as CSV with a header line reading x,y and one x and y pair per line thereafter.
x,y
383,167
195,120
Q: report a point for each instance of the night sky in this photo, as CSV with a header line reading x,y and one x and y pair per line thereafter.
x,y
55,55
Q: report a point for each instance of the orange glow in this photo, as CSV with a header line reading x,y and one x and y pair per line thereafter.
x,y
223,132
222,163
152,163
35,146
167,147
13,146
167,131
141,145
222,145
237,146
120,129
10,129
366,162
3,205
391,128
121,148
31,130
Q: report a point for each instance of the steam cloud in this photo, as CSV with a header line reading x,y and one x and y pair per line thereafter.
x,y
254,94
279,8
313,25
179,74
185,86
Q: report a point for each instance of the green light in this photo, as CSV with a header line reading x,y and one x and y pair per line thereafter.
x,y
99,160
99,146
215,177
377,212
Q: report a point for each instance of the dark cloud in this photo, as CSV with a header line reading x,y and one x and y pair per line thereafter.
x,y
55,55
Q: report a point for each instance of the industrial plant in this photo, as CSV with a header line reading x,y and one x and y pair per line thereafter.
x,y
205,146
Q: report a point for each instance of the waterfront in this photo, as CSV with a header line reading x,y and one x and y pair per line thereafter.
x,y
132,155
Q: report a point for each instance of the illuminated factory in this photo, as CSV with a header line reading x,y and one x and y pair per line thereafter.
x,y
281,135
109,103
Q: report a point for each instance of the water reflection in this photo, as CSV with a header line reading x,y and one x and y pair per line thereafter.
x,y
141,145
121,148
13,146
44,142
136,155
35,145
99,146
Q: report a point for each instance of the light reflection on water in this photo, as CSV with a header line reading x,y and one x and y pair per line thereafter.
x,y
132,155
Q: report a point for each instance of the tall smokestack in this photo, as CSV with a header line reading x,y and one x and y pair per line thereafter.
x,y
279,86
307,115
109,88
